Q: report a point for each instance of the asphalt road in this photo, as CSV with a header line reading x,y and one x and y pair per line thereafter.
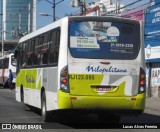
x,y
13,112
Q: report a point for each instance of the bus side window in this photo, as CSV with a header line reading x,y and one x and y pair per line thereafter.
x,y
51,53
20,55
57,46
24,59
0,64
41,40
54,47
23,55
35,56
44,52
27,52
32,50
30,53
6,62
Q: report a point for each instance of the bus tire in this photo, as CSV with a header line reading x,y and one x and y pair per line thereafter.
x,y
109,118
22,95
25,107
46,115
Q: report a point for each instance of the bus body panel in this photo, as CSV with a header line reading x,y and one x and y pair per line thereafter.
x,y
96,79
92,83
104,69
6,63
50,78
32,81
132,103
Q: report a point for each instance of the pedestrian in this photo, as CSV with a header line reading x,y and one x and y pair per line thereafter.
x,y
10,79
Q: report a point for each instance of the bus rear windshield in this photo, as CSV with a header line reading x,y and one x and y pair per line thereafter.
x,y
104,40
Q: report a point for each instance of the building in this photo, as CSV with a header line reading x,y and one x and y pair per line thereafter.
x,y
19,18
106,7
136,13
152,48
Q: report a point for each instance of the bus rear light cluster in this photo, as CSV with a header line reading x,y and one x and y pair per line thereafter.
x,y
142,81
64,80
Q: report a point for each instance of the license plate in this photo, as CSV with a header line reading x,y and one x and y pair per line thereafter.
x,y
103,89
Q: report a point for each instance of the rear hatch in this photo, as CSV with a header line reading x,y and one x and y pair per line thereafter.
x,y
102,59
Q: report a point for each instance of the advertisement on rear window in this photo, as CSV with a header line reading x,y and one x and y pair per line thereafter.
x,y
104,40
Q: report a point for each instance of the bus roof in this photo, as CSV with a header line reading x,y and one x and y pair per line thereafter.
x,y
73,18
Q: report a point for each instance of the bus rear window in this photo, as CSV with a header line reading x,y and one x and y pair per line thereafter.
x,y
104,40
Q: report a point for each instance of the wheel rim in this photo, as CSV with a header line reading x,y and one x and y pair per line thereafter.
x,y
43,108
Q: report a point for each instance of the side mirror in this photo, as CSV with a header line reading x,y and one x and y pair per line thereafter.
x,y
16,53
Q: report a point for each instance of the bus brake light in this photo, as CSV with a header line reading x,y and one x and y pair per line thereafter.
x,y
64,79
142,82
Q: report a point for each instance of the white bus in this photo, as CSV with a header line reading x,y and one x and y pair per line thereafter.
x,y
7,62
91,64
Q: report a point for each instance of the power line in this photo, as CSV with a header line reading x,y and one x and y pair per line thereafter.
x,y
127,6
122,7
54,7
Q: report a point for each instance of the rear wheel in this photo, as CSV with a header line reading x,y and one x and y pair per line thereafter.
x,y
22,95
25,107
46,115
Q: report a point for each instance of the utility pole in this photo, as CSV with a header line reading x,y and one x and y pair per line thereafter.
x,y
54,12
29,18
19,22
19,26
2,38
2,35
54,7
81,4
83,7
2,29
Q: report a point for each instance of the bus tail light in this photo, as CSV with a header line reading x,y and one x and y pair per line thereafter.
x,y
142,81
64,79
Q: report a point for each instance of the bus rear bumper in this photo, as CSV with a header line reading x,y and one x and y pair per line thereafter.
x,y
118,105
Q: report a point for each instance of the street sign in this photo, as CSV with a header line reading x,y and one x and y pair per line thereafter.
x,y
152,49
152,20
152,34
157,1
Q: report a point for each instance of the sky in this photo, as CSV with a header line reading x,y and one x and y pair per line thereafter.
x,y
64,8
61,9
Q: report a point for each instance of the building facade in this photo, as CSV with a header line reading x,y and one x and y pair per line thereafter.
x,y
152,48
109,7
19,18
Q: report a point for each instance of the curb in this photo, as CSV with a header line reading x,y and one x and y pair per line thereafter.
x,y
152,109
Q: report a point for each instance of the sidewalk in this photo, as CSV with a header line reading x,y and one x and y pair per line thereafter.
x,y
153,103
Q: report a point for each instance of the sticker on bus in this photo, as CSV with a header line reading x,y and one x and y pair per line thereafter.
x,y
84,42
